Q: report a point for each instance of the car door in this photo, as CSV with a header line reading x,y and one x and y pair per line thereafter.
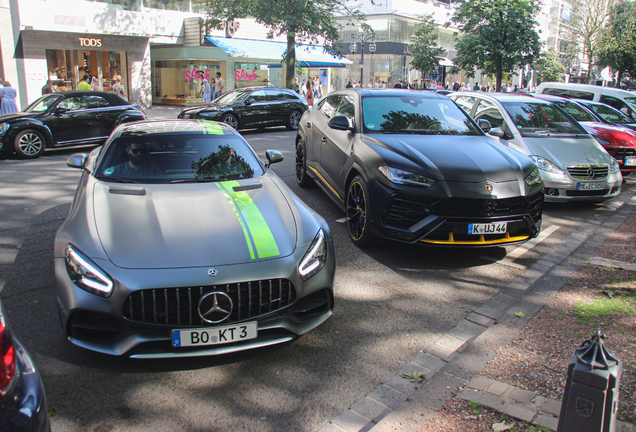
x,y
319,116
255,110
279,106
104,116
70,121
488,110
336,145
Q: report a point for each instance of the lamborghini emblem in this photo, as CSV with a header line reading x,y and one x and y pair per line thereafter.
x,y
489,188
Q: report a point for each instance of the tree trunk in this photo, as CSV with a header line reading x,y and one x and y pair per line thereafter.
x,y
499,72
290,61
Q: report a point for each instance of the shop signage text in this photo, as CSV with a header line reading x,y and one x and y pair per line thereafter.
x,y
245,74
197,74
90,42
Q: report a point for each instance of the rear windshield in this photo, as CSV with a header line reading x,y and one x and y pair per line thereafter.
x,y
609,114
178,158
572,94
534,118
414,114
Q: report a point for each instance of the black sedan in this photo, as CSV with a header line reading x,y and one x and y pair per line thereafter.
x,y
67,118
253,107
412,167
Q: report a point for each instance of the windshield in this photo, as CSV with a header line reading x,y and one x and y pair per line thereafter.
x,y
537,118
415,114
178,158
610,114
42,104
631,100
575,110
232,98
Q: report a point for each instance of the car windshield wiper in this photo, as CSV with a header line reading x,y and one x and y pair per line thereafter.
x,y
200,180
117,179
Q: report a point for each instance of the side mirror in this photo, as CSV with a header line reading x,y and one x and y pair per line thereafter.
x,y
273,156
77,160
484,125
249,102
60,110
340,122
498,132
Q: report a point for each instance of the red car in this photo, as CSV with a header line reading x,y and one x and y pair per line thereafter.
x,y
618,141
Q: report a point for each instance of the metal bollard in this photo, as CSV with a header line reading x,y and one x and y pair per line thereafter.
x,y
590,400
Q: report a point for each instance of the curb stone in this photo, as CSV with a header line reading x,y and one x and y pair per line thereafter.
x,y
452,362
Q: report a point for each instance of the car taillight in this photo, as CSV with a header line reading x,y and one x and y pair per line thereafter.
x,y
7,358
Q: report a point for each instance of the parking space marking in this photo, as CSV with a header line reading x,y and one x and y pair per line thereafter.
x,y
517,252
341,220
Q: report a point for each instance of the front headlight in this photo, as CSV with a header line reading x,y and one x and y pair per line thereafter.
x,y
614,166
86,274
399,176
545,165
534,177
315,258
3,128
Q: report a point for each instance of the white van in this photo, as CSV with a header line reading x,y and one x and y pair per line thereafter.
x,y
622,100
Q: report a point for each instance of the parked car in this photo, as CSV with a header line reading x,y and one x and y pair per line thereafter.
x,y
622,100
180,242
252,107
618,141
61,119
411,166
607,114
22,399
574,166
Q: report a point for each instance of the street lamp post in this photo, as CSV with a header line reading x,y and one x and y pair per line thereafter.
x,y
353,47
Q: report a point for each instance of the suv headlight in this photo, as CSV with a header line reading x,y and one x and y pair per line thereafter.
x,y
534,177
545,165
3,128
614,166
399,176
86,274
315,257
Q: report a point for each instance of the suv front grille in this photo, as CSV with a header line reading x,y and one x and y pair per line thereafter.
x,y
179,306
588,172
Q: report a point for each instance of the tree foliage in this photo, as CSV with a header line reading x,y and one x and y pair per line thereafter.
x,y
550,67
424,46
617,48
302,21
497,35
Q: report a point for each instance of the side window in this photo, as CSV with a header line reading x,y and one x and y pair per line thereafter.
x,y
258,96
615,102
347,108
74,103
466,103
274,95
489,111
329,105
96,102
291,95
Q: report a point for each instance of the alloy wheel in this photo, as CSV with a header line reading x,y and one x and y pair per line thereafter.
x,y
30,144
356,210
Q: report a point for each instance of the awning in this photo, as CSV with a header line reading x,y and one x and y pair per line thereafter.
x,y
272,52
443,61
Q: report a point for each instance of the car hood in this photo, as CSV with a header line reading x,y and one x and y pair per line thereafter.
x,y
210,107
454,158
193,224
566,151
18,115
617,136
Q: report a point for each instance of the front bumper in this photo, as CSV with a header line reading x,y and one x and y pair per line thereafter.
x,y
125,325
562,187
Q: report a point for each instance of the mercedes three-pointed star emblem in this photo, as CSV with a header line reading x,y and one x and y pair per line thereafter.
x,y
215,307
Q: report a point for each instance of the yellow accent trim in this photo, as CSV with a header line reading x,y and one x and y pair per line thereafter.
x,y
323,180
481,241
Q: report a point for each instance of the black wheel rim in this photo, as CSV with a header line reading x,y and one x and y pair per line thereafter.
x,y
30,144
294,119
300,162
356,210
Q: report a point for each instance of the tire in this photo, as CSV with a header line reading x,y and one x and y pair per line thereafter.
x,y
29,144
358,210
293,120
302,179
231,120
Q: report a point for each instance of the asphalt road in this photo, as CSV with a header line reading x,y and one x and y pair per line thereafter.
x,y
391,302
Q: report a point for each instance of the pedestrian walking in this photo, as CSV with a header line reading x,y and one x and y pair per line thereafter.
x,y
218,86
349,85
206,91
8,95
118,88
95,84
47,89
83,84
310,93
296,85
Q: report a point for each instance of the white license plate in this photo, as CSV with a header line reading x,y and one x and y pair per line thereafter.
x,y
630,161
590,186
489,228
214,335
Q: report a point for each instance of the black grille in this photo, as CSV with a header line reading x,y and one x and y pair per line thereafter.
x,y
589,172
623,153
179,306
402,213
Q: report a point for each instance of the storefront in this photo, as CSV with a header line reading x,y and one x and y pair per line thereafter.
x,y
64,58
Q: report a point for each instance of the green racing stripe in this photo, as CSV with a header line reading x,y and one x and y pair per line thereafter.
x,y
211,128
257,229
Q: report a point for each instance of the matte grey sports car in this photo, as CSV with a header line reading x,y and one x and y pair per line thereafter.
x,y
180,242
413,167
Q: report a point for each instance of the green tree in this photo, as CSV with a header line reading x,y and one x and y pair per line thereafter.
x,y
617,48
497,35
551,67
424,46
302,21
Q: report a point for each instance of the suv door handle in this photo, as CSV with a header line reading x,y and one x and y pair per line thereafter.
x,y
324,139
